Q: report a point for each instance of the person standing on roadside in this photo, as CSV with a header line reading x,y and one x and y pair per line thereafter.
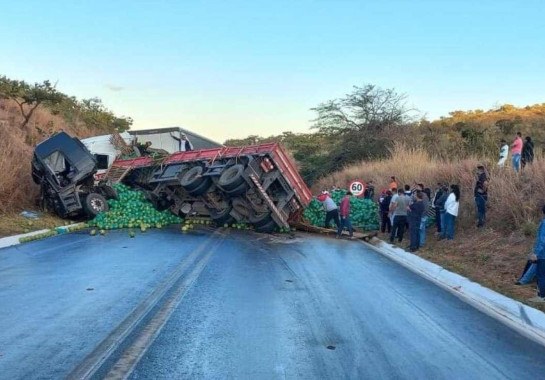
x,y
440,206
416,211
539,252
391,207
399,210
409,194
481,195
345,216
516,150
436,196
451,212
424,217
504,152
331,209
527,156
385,222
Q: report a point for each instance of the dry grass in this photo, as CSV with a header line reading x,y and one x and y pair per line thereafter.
x,y
13,224
514,200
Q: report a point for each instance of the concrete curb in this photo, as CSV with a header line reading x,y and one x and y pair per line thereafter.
x,y
526,320
14,240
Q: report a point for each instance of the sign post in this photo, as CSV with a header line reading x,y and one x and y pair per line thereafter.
x,y
357,188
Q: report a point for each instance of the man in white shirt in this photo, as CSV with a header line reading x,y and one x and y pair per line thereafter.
x,y
504,152
398,208
184,145
331,209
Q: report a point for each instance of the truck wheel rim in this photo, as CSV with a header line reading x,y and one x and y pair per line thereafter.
x,y
97,204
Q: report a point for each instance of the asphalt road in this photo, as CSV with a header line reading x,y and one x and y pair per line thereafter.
x,y
238,305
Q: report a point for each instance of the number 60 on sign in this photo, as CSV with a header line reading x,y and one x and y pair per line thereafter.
x,y
357,188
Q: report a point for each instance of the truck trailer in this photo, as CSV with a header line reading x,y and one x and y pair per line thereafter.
x,y
257,185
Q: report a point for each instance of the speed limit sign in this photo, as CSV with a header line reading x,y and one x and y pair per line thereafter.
x,y
357,188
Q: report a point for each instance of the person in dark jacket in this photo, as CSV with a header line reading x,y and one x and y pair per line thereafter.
x,y
415,219
386,224
481,195
369,192
436,196
439,204
527,156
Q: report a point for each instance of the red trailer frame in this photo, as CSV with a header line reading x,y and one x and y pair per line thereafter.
x,y
274,150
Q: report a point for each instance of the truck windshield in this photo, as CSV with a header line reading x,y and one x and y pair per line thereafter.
x,y
56,162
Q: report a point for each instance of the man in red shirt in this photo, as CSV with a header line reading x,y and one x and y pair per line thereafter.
x,y
345,216
516,150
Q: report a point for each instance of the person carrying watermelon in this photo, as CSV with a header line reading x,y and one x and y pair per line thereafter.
x,y
331,209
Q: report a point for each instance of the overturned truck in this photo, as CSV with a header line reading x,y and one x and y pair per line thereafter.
x,y
258,185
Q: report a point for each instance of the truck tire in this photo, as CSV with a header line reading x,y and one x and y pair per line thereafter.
x,y
201,189
242,207
222,217
260,219
94,204
192,179
239,190
232,177
109,192
267,228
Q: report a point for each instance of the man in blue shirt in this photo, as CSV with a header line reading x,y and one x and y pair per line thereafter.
x,y
539,251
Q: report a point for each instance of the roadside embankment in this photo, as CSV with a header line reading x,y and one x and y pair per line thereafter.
x,y
493,256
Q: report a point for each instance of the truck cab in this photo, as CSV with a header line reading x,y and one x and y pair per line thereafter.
x,y
105,152
64,168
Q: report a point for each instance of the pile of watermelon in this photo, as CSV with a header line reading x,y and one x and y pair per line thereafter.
x,y
132,210
363,212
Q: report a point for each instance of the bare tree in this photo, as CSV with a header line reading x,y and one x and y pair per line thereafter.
x,y
28,97
365,109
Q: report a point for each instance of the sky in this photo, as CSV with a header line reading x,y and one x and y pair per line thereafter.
x,y
229,69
